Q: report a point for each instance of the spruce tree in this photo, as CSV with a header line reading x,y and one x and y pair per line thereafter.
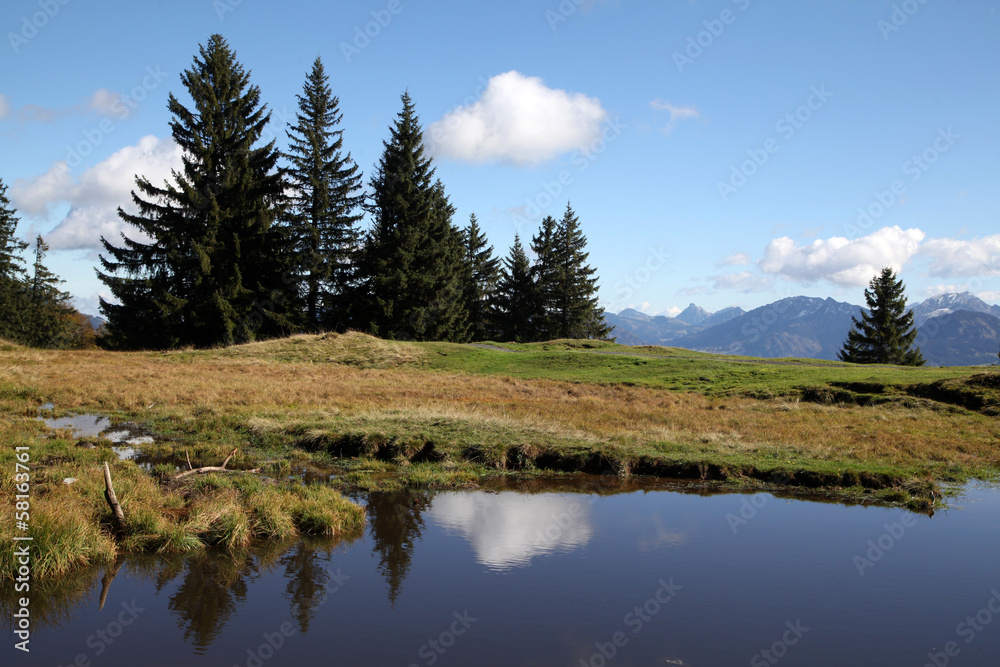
x,y
411,264
325,205
217,270
515,304
13,280
50,317
482,274
885,334
577,313
547,279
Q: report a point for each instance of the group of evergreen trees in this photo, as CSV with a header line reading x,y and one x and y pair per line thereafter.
x,y
247,242
33,310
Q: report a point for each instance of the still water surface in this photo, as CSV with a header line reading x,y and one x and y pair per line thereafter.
x,y
624,577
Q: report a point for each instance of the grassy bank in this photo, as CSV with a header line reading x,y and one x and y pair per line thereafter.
x,y
71,524
434,414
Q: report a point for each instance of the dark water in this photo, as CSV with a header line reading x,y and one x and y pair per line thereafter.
x,y
507,578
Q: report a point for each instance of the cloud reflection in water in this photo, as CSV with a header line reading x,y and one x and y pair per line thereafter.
x,y
508,530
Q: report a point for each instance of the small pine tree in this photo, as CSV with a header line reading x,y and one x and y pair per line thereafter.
x,y
13,279
411,265
482,274
216,271
515,305
885,334
325,205
49,314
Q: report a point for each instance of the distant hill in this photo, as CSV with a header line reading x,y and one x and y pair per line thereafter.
x,y
797,326
648,330
693,315
945,304
95,322
626,337
955,329
960,338
643,329
723,315
633,314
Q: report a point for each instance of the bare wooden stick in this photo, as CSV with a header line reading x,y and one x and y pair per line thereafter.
x,y
109,495
188,457
231,454
208,469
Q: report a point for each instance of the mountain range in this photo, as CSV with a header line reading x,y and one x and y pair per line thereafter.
x,y
954,329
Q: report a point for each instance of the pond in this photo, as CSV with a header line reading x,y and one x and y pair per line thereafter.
x,y
607,573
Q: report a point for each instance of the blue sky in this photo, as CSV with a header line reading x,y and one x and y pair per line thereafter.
x,y
720,151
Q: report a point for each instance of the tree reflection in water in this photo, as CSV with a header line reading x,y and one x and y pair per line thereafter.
x,y
210,588
308,574
214,585
396,523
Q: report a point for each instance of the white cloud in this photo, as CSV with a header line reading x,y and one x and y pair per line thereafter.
x,y
4,107
34,197
91,305
739,259
510,529
849,263
673,311
674,114
517,120
945,288
989,297
954,258
97,194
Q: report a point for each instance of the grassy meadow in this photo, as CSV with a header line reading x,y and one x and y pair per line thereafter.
x,y
384,414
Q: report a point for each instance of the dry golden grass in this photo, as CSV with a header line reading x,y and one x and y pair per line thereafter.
x,y
264,392
351,348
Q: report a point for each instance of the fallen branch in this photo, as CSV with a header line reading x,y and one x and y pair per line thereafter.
x,y
188,457
208,469
109,495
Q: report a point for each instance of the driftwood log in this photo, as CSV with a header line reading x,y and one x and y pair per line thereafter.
x,y
109,494
208,469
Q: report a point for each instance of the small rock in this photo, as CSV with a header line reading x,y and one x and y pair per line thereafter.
x,y
69,480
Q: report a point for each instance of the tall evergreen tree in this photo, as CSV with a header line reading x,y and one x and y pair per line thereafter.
x,y
885,334
325,205
217,270
515,305
565,285
547,279
13,280
412,260
483,273
577,312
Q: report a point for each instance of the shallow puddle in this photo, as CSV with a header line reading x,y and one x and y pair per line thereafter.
x,y
124,436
